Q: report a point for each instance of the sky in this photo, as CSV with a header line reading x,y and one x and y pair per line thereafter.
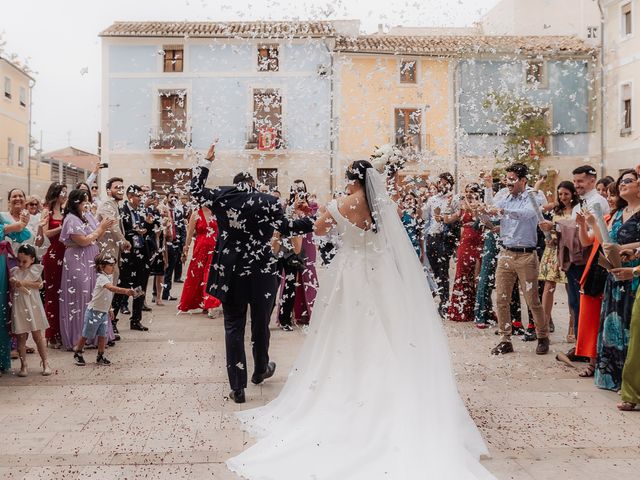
x,y
59,39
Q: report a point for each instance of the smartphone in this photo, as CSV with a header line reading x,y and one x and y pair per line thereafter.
x,y
103,165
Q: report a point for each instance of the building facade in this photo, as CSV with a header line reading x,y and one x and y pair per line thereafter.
x,y
262,89
579,18
622,84
558,75
17,169
389,94
441,101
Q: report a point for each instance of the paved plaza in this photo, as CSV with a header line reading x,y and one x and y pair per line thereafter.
x,y
159,411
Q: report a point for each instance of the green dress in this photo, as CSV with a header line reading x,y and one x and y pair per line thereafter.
x,y
630,389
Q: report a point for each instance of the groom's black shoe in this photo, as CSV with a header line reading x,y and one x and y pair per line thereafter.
x,y
237,395
258,378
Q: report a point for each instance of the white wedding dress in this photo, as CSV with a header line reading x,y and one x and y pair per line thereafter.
x,y
372,394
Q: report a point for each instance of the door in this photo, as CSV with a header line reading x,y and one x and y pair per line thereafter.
x,y
165,180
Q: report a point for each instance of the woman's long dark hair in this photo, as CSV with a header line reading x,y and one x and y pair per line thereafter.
x,y
357,172
79,184
620,202
76,197
575,198
53,194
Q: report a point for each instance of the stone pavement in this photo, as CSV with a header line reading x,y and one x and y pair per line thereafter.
x,y
159,411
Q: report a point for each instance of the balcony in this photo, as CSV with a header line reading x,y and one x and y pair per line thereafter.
x,y
168,138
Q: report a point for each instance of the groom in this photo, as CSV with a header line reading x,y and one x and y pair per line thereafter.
x,y
243,271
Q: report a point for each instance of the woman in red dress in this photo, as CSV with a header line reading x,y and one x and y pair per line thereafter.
x,y
194,295
463,294
52,260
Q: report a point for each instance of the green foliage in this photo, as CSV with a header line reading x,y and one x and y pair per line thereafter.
x,y
525,126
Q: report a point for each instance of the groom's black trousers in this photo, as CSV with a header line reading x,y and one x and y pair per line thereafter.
x,y
257,291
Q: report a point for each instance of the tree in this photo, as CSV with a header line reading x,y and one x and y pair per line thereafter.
x,y
525,126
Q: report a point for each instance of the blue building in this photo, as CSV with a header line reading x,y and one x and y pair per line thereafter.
x,y
559,75
263,89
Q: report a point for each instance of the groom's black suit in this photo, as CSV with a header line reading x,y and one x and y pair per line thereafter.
x,y
243,271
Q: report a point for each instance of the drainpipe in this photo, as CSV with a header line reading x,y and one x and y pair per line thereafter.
x,y
31,85
602,91
331,124
455,124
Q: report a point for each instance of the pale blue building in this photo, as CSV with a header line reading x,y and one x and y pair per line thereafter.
x,y
263,89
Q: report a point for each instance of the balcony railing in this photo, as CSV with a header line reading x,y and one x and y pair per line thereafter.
x,y
168,139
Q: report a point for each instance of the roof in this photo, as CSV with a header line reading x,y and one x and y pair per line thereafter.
x,y
464,44
220,29
18,67
74,156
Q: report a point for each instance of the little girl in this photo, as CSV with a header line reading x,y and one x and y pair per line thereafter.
x,y
96,317
27,311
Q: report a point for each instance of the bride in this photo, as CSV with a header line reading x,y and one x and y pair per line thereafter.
x,y
372,394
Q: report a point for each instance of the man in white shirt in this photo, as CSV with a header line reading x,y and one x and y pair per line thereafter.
x,y
584,179
440,243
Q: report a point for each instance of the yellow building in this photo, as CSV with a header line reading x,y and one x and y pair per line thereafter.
x,y
16,168
385,97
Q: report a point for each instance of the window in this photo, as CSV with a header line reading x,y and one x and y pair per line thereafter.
x,y
21,156
10,152
626,20
23,97
268,58
408,128
173,58
626,109
266,133
268,177
172,130
408,72
535,74
7,87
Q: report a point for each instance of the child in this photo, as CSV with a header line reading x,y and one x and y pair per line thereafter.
x,y
97,315
27,311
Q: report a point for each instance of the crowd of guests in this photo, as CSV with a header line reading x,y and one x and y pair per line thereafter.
x,y
510,235
69,264
72,262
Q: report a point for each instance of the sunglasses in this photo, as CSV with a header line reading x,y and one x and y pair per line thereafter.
x,y
627,181
32,205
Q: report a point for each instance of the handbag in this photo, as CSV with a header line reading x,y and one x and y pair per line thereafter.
x,y
595,278
289,259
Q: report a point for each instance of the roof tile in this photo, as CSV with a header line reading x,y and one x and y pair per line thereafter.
x,y
463,44
220,29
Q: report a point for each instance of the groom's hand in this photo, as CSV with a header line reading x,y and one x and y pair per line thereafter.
x,y
211,154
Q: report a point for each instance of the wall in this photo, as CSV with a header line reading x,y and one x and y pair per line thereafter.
x,y
219,77
622,65
542,17
369,90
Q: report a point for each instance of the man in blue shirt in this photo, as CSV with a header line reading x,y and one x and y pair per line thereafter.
x,y
518,260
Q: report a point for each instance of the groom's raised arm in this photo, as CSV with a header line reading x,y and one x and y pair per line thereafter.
x,y
199,175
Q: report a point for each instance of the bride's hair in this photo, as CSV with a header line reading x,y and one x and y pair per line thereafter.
x,y
357,172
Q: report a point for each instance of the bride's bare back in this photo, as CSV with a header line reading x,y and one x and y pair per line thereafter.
x,y
353,207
